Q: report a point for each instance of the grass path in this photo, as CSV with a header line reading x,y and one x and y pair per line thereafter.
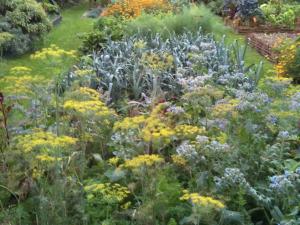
x,y
64,36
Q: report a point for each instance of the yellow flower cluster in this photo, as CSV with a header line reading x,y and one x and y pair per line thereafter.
x,y
87,107
53,52
89,93
158,62
114,161
156,130
84,94
22,85
47,158
157,127
41,139
134,8
83,72
188,131
87,103
140,44
107,191
179,160
287,56
142,160
222,109
201,201
20,70
130,123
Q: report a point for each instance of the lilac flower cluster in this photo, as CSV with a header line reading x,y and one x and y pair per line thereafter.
x,y
187,150
254,101
295,102
217,147
234,178
175,110
282,183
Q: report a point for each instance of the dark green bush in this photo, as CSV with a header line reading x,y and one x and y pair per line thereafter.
x,y
26,21
105,29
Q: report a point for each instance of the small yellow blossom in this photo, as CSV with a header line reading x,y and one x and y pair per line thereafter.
x,y
142,160
41,139
158,62
179,160
202,201
53,52
47,158
222,109
109,192
20,70
86,108
22,85
114,161
187,131
130,123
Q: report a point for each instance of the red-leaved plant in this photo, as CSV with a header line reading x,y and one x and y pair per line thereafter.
x,y
4,110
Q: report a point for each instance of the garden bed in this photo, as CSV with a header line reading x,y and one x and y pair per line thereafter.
x,y
258,29
266,44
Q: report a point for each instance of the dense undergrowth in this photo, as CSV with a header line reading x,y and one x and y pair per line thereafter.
x,y
152,128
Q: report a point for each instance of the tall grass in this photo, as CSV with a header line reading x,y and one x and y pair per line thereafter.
x,y
190,19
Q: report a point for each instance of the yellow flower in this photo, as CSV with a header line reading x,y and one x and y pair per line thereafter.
x,y
202,201
224,108
179,160
41,139
18,70
53,52
47,158
130,123
187,131
114,161
158,62
22,84
142,160
111,193
88,107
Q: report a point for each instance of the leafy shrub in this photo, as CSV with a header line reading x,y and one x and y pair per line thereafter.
x,y
280,14
289,61
216,6
245,11
26,21
50,8
105,29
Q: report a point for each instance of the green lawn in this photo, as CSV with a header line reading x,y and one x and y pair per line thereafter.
x,y
64,36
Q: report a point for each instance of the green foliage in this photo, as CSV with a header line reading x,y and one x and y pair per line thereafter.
x,y
105,29
165,24
50,8
26,21
280,14
229,157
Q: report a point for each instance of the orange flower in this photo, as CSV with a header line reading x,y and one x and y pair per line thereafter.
x,y
134,8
